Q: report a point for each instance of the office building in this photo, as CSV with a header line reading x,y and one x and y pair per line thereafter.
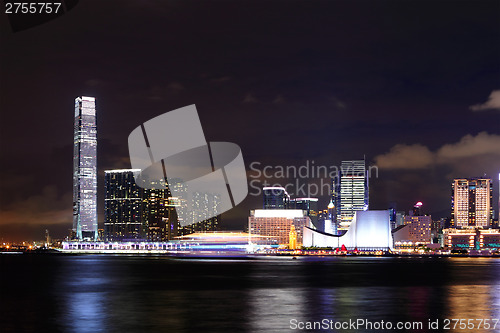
x,y
353,195
159,216
276,197
85,169
308,204
472,203
277,223
122,206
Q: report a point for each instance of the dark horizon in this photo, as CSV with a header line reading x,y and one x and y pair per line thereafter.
x,y
413,86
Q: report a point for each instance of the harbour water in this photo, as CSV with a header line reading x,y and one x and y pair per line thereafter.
x,y
121,293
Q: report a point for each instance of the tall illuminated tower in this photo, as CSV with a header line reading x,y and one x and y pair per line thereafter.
x,y
85,169
353,191
472,202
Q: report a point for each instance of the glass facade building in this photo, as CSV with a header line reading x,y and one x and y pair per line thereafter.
x,y
122,206
353,194
308,204
276,197
85,169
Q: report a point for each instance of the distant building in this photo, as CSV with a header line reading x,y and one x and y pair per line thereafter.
x,y
416,230
472,203
308,204
122,206
159,216
417,209
276,197
353,195
85,169
209,225
277,223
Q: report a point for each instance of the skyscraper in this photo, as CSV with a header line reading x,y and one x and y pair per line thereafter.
x,y
353,195
159,216
472,202
122,206
276,197
308,204
85,169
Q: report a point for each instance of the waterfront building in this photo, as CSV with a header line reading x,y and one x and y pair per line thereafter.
x,y
472,203
370,230
472,238
415,231
276,197
159,216
353,196
122,205
277,223
85,169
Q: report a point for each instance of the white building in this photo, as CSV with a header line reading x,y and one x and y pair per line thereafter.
x,y
369,230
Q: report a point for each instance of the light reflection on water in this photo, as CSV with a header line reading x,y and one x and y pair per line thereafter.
x,y
140,294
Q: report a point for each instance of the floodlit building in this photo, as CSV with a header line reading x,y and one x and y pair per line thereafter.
x,y
472,238
353,194
370,230
85,169
278,223
472,203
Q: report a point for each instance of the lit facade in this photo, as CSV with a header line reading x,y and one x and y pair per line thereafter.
x,y
122,206
353,194
159,216
472,238
472,203
419,228
308,204
85,169
276,197
369,230
277,223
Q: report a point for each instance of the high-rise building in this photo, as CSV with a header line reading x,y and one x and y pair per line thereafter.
x,y
308,204
276,197
85,169
122,206
159,216
472,202
353,195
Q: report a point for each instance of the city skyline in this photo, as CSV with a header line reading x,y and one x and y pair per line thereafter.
x,y
415,89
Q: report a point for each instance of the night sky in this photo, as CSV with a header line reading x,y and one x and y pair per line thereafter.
x,y
412,85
